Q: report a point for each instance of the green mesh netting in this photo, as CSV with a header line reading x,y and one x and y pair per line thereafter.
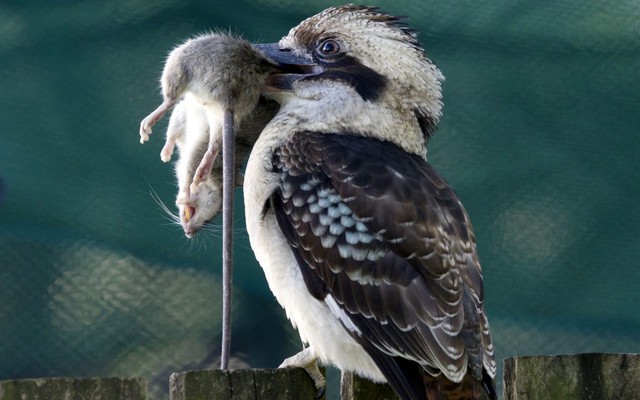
x,y
539,138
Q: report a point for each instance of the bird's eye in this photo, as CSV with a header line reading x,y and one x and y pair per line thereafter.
x,y
329,47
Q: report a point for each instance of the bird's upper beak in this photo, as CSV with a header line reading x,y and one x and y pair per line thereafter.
x,y
289,67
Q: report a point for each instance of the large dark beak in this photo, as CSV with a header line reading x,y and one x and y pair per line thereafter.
x,y
289,67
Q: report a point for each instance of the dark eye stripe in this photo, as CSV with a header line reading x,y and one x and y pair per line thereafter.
x,y
368,83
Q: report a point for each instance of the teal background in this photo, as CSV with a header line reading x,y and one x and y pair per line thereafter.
x,y
539,138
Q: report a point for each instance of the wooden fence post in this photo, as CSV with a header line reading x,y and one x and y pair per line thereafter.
x,y
242,384
580,377
353,387
74,388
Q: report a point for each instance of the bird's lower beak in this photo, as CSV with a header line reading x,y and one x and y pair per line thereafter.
x,y
290,67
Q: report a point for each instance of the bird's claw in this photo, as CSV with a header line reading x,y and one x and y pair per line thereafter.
x,y
307,360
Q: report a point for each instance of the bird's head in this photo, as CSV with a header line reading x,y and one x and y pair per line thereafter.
x,y
355,67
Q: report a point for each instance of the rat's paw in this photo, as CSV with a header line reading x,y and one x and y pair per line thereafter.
x,y
151,119
167,151
145,130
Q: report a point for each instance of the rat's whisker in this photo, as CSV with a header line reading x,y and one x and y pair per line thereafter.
x,y
171,216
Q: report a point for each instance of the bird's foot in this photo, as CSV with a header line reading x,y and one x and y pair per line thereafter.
x,y
308,360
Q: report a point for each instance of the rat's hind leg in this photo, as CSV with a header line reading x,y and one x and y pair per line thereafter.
x,y
175,130
151,119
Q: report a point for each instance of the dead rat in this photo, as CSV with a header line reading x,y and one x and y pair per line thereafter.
x,y
206,76
198,203
219,78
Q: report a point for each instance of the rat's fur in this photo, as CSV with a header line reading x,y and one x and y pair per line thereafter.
x,y
189,130
202,78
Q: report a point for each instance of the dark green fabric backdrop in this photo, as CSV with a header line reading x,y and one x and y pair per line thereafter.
x,y
539,138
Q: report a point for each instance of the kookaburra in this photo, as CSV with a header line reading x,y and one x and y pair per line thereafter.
x,y
362,242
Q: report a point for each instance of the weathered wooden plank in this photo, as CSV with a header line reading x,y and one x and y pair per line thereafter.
x,y
74,389
582,377
353,387
243,384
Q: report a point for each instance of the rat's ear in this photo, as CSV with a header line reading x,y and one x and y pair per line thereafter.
x,y
204,168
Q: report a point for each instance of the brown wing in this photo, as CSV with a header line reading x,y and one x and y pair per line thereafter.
x,y
384,240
